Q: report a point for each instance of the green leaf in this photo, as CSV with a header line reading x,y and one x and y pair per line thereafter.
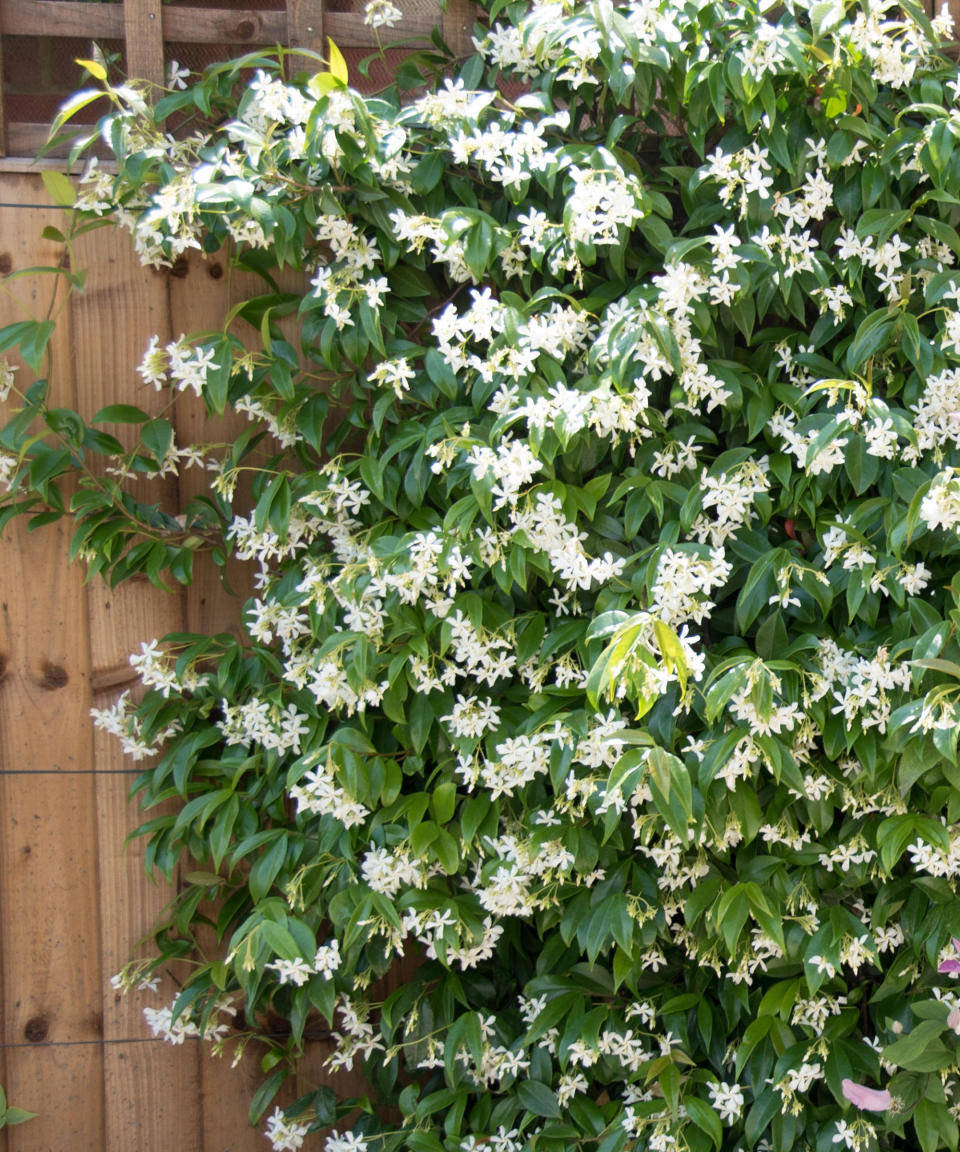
x,y
464,1032
926,1121
705,1118
34,340
754,1033
281,941
59,187
538,1098
338,65
872,336
263,1097
921,1050
826,16
443,801
672,790
120,414
18,1115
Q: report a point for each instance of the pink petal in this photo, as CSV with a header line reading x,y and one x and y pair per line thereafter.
x,y
951,967
871,1099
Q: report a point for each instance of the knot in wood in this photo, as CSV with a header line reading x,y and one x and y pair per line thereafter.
x,y
36,1029
54,677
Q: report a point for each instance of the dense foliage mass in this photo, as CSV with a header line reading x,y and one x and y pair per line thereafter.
x,y
605,517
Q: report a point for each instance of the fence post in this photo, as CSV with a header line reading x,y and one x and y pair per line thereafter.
x,y
304,30
143,36
457,26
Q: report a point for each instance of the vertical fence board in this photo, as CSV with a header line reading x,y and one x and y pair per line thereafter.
x,y
49,946
198,301
3,108
457,26
305,30
143,34
153,1103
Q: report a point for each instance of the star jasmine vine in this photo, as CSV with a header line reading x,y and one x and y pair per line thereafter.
x,y
601,506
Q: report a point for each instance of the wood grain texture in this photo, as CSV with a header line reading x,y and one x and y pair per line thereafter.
x,y
200,296
60,18
151,1087
347,29
306,28
3,110
108,21
25,140
305,20
143,36
224,25
50,943
457,26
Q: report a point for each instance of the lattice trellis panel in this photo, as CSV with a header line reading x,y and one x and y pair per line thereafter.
x,y
41,39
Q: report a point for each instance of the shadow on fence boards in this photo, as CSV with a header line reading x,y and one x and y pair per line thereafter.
x,y
73,900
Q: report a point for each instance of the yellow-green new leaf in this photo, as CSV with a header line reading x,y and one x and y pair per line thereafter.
x,y
338,66
59,188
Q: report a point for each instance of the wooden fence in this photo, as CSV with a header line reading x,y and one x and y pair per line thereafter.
x,y
73,901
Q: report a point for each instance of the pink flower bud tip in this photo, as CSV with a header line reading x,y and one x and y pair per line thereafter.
x,y
951,967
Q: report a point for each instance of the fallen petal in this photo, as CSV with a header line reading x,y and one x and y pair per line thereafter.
x,y
871,1099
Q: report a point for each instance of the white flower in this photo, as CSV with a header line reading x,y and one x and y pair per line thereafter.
x,y
177,75
381,14
285,1135
728,1100
296,971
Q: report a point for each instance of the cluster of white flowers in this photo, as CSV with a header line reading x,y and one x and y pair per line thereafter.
x,y
263,722
284,1135
381,14
298,971
728,1100
746,172
731,496
120,720
940,507
174,1029
859,686
387,872
358,1038
320,795
179,363
937,861
343,282
156,668
684,579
